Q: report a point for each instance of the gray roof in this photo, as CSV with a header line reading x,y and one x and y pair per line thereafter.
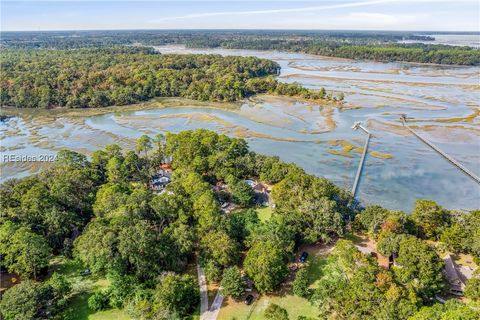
x,y
452,274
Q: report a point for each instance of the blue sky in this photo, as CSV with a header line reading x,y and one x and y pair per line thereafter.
x,y
435,15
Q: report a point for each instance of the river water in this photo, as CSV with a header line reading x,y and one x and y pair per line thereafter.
x,y
469,40
443,102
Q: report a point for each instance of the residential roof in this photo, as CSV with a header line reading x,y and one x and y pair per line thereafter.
x,y
259,187
452,274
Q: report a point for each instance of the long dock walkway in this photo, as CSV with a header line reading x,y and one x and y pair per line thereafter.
x,y
360,166
446,156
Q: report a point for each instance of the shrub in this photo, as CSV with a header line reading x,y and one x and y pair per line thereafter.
x,y
275,312
212,271
300,284
232,283
98,301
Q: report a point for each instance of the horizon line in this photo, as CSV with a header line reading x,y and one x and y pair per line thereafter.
x,y
242,29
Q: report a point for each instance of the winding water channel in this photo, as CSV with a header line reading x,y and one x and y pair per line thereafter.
x,y
443,100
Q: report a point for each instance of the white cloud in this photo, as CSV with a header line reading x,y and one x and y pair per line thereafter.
x,y
271,11
373,20
308,9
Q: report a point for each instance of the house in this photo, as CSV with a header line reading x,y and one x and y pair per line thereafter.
x,y
166,167
454,278
261,193
262,196
159,181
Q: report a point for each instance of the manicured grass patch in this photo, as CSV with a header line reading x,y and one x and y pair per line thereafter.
x,y
355,238
294,305
315,269
264,213
113,314
465,260
82,289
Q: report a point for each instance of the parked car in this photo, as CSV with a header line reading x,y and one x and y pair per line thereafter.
x,y
225,205
249,299
85,273
303,257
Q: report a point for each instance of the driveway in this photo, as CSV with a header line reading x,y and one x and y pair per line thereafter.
x,y
203,293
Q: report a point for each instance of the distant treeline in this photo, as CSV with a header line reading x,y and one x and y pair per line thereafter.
x,y
83,39
368,45
99,77
389,52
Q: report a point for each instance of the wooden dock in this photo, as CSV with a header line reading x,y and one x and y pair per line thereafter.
x,y
443,154
360,166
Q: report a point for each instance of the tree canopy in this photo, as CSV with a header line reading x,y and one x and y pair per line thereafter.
x,y
100,77
103,212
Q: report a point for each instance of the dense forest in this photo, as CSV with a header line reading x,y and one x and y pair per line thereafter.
x,y
370,45
98,38
99,77
422,53
102,213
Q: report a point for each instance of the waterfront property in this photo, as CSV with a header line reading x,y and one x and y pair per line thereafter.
x,y
160,180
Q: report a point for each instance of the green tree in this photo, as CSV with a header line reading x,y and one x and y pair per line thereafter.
x,y
177,294
96,246
353,286
213,271
240,224
110,198
275,312
144,143
134,168
115,172
419,265
275,231
300,284
121,289
430,217
389,243
472,289
139,247
265,265
371,219
98,301
451,310
242,193
159,155
232,283
24,301
25,253
454,237
313,206
220,247
30,300
61,287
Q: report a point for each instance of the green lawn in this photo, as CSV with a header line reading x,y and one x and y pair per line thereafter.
x,y
294,305
264,213
314,269
82,289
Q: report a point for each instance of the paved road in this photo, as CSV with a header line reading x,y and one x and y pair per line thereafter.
x,y
203,293
212,314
